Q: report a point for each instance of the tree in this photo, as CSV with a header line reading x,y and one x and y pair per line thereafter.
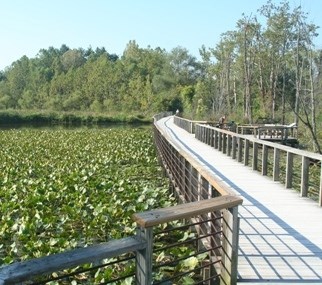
x,y
18,77
72,59
185,66
223,72
305,65
278,38
247,39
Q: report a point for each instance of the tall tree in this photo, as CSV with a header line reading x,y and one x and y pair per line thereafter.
x,y
224,72
278,37
247,35
18,77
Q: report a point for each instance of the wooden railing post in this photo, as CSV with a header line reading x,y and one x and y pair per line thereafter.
x,y
276,171
197,132
220,141
184,186
144,257
229,272
255,156
229,144
202,133
205,132
209,131
240,149
289,170
212,137
234,147
188,176
199,187
224,143
246,152
264,160
207,135
216,140
305,176
235,245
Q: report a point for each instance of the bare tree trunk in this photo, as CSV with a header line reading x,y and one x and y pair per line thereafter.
x,y
228,85
261,81
247,96
245,75
316,145
284,83
271,84
235,94
283,96
274,95
298,85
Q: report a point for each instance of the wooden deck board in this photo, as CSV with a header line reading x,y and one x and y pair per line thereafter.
x,y
280,233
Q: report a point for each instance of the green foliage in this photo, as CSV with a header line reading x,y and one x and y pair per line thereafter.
x,y
72,80
62,189
187,93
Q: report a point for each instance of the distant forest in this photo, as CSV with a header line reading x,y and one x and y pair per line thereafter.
x,y
259,72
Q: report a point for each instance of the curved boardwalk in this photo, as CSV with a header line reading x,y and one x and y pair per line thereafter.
x,y
280,238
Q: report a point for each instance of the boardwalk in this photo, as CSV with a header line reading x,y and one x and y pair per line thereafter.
x,y
280,233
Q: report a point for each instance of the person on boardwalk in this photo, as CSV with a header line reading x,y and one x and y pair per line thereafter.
x,y
221,121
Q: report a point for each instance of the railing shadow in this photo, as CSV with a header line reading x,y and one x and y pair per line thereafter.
x,y
277,257
276,260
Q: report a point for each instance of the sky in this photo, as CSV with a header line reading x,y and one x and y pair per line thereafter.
x,y
30,25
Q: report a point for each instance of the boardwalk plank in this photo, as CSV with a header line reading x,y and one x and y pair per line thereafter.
x,y
280,232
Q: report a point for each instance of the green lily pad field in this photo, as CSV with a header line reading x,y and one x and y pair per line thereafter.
x,y
68,188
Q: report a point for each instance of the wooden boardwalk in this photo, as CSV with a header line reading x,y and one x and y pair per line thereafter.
x,y
280,238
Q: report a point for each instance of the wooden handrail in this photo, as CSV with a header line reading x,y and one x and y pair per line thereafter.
x,y
22,271
188,125
238,145
182,211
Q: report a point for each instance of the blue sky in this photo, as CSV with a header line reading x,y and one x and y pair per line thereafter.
x,y
30,25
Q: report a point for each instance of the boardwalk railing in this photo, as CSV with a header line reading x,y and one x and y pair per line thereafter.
x,y
195,242
295,168
188,125
271,132
151,247
191,182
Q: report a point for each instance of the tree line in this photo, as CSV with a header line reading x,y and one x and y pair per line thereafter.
x,y
266,70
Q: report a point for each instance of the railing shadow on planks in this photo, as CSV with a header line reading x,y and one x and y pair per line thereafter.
x,y
205,224
297,169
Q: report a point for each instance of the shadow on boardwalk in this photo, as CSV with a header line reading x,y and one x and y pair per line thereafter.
x,y
272,247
